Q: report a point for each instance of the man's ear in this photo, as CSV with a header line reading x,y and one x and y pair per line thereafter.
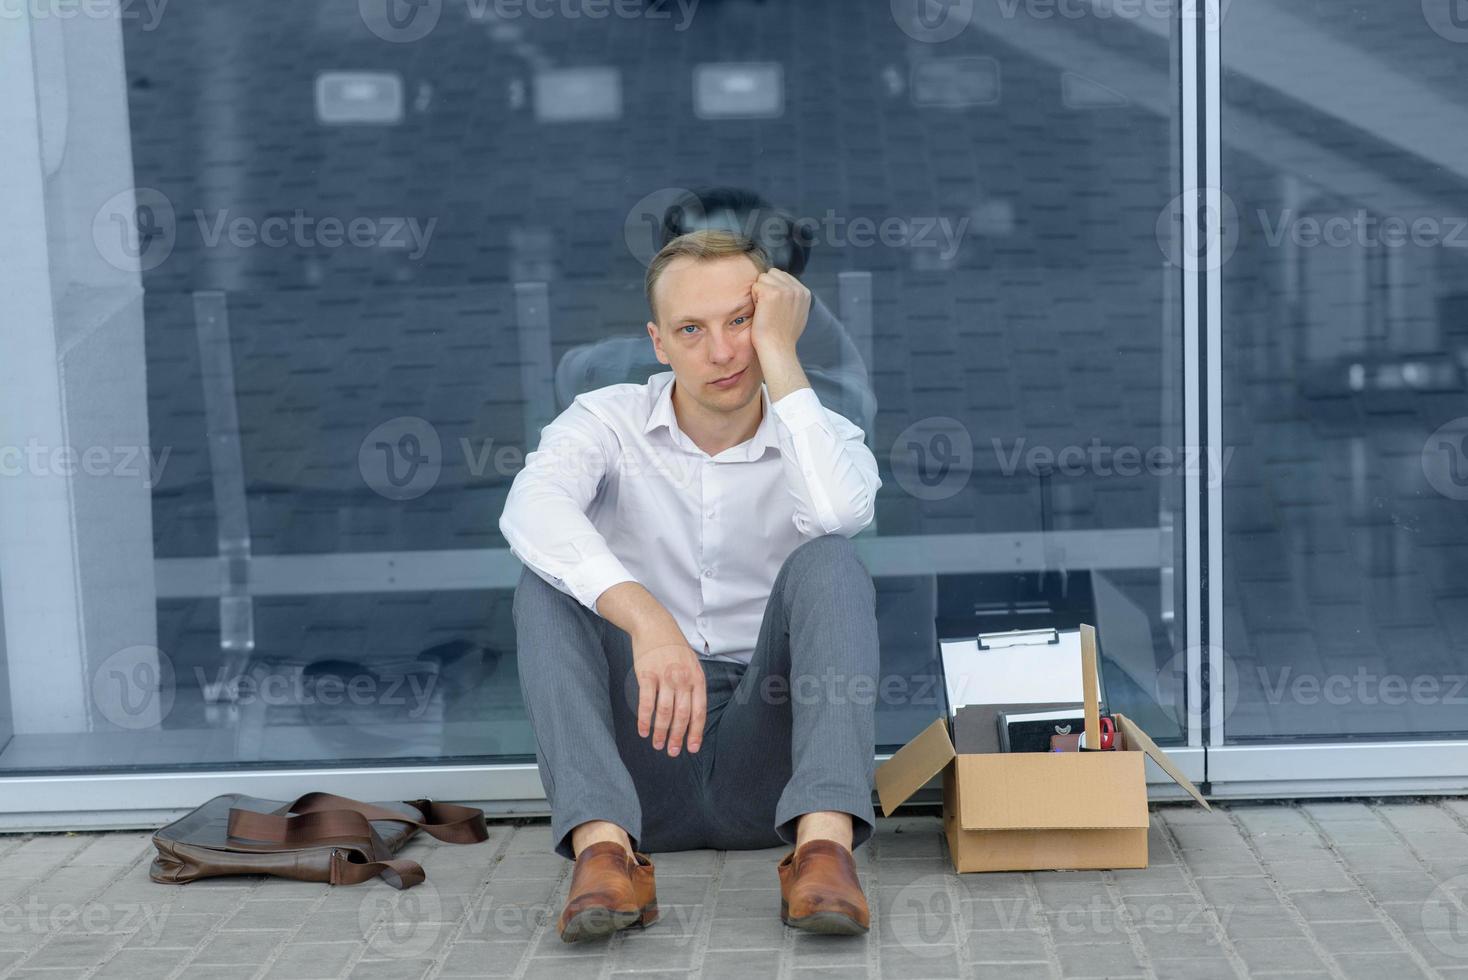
x,y
657,342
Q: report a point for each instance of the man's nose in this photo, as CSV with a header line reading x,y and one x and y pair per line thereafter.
x,y
721,351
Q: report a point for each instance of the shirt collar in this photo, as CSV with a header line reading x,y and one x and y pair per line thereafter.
x,y
662,414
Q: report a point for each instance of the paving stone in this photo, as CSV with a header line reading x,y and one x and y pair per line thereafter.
x,y
1276,955
1341,906
229,948
389,969
1268,821
484,959
280,913
746,933
1261,923
929,961
129,964
1238,891
731,965
1113,960
1353,937
302,961
646,953
1379,966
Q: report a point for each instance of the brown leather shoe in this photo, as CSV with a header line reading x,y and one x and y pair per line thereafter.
x,y
819,890
610,890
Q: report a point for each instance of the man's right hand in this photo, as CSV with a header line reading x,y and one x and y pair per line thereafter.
x,y
672,701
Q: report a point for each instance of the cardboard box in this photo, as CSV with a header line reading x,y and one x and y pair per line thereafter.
x,y
1033,811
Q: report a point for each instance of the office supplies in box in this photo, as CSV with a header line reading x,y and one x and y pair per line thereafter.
x,y
1038,810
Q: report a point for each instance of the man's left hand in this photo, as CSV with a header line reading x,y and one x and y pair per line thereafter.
x,y
781,307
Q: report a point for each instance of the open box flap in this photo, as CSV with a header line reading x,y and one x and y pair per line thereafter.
x,y
1052,791
914,764
1136,737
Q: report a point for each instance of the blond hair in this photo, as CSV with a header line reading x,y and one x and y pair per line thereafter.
x,y
708,243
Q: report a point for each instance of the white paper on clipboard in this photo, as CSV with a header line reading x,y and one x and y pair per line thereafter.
x,y
1014,671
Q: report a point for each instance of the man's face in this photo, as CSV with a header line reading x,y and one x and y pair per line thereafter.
x,y
704,329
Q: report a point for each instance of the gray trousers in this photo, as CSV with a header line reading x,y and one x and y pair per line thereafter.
x,y
794,732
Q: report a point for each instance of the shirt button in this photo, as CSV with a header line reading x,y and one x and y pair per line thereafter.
x,y
709,514
708,573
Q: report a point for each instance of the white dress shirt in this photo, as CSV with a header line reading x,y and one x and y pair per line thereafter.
x,y
616,492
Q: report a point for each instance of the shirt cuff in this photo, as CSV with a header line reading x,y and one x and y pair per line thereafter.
x,y
799,409
594,576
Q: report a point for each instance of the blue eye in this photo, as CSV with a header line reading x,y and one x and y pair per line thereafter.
x,y
688,326
739,320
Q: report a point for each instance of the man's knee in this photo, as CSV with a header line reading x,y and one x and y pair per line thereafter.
x,y
830,555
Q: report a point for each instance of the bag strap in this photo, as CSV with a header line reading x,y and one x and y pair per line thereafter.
x,y
323,818
400,873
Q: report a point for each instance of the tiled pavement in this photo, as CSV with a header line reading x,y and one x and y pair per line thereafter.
x,y
1342,889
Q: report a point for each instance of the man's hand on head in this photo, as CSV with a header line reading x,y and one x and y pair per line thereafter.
x,y
781,308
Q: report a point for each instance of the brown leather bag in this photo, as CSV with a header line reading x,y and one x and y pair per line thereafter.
x,y
318,837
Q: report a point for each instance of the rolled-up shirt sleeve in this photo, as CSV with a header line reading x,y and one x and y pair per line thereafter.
x,y
545,516
829,469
